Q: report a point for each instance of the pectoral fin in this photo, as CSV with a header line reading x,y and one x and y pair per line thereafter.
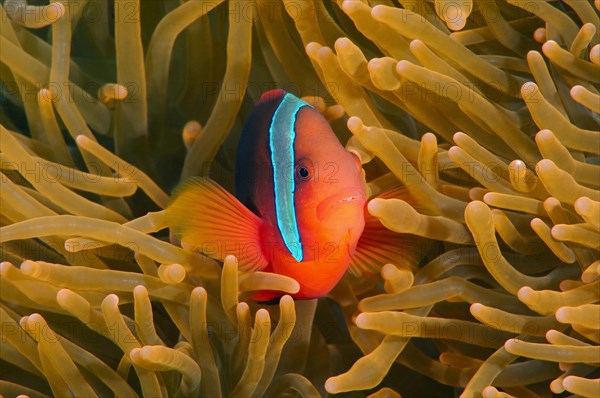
x,y
378,245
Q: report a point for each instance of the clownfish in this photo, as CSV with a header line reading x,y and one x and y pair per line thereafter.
x,y
299,208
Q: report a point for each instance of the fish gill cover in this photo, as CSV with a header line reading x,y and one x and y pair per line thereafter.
x,y
487,110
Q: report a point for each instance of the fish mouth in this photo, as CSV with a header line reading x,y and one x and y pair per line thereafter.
x,y
349,199
341,199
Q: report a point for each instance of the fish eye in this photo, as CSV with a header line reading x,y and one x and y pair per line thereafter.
x,y
302,172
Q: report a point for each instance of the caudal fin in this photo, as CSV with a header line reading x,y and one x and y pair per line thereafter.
x,y
211,220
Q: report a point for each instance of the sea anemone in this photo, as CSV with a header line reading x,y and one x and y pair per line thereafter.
x,y
487,111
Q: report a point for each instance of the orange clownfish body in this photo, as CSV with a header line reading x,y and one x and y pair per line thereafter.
x,y
299,208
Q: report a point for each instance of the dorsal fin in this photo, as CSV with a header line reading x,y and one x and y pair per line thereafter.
x,y
271,94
